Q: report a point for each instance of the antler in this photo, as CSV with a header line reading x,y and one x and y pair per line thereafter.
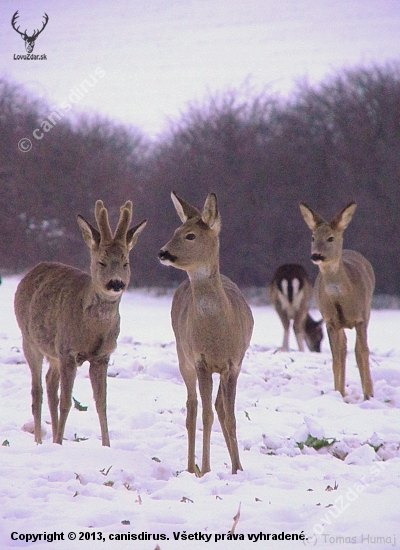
x,y
101,216
125,219
24,34
37,32
13,21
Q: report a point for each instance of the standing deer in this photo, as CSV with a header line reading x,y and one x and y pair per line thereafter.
x,y
29,40
212,324
343,292
70,317
290,292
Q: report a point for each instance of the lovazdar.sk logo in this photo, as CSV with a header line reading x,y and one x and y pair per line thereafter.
x,y
29,39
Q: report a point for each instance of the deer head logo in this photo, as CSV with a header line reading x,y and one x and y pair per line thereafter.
x,y
29,40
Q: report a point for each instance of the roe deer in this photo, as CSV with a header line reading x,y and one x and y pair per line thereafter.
x,y
212,324
70,317
343,292
290,292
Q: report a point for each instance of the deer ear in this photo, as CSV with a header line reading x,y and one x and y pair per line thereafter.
x,y
184,209
210,214
133,234
90,235
342,219
312,219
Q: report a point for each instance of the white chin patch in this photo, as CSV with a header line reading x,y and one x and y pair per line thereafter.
x,y
112,292
166,262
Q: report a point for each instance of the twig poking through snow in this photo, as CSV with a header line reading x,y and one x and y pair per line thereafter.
x,y
236,520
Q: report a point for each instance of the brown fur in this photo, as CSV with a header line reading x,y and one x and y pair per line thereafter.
x,y
343,292
70,317
212,324
294,306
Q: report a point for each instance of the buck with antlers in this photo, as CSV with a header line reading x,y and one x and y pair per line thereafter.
x,y
343,292
70,317
29,40
290,292
212,324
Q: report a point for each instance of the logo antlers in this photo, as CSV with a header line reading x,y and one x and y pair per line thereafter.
x,y
29,40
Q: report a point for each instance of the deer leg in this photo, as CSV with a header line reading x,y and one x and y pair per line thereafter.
x,y
52,384
338,343
67,377
98,379
35,360
189,377
225,405
205,387
286,326
298,327
191,416
219,406
362,358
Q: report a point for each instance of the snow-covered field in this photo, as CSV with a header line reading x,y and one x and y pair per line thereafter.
x,y
156,57
341,496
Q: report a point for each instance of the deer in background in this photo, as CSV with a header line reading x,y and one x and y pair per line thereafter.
x,y
290,292
70,317
212,324
343,292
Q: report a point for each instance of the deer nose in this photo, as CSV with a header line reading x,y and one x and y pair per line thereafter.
x,y
164,255
317,257
115,284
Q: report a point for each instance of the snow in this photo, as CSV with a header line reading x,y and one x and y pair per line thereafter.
x,y
154,58
344,493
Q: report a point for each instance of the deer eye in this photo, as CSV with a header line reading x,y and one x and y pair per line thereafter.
x,y
312,238
102,264
330,239
190,236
